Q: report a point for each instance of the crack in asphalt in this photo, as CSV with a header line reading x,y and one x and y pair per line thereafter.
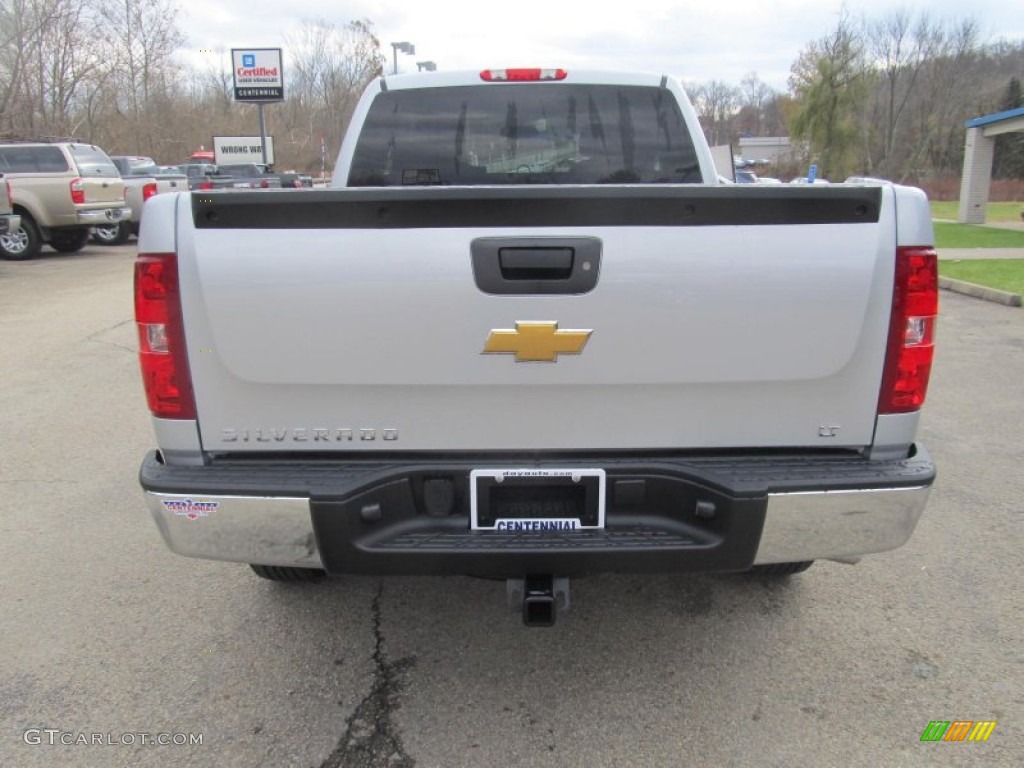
x,y
371,739
95,337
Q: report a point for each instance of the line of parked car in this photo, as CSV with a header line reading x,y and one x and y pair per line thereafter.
x,y
62,193
242,176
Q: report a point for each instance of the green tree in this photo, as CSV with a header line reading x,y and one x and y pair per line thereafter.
x,y
829,82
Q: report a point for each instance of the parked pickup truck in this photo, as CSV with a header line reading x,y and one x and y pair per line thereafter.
x,y
527,335
142,178
249,176
286,179
206,177
137,190
135,165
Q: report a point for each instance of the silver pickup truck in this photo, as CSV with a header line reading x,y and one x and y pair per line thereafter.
x,y
142,179
528,335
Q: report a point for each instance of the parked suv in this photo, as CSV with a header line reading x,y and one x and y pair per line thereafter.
x,y
60,190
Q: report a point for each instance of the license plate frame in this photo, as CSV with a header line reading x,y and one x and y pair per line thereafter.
x,y
563,499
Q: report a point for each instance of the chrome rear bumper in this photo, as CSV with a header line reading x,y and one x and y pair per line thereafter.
x,y
838,524
9,223
104,216
265,531
279,530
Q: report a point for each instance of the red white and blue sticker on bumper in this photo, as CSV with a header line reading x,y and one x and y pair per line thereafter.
x,y
190,509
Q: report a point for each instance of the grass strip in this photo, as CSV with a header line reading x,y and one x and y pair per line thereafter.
x,y
1003,274
949,235
995,212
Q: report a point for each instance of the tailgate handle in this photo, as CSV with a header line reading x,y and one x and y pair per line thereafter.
x,y
523,266
536,263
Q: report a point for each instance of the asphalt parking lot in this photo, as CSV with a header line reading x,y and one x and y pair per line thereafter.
x,y
105,633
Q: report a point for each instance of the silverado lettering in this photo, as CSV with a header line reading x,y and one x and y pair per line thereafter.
x,y
303,434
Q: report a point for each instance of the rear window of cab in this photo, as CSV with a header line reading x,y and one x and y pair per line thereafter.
x,y
92,161
524,133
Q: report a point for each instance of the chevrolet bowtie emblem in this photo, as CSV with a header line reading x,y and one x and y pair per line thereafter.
x,y
535,342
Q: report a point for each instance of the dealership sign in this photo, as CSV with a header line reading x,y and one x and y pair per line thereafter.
x,y
258,74
232,150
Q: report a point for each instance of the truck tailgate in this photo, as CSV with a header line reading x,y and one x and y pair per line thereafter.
x,y
355,319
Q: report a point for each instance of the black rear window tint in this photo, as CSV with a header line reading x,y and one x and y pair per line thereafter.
x,y
32,160
533,133
92,161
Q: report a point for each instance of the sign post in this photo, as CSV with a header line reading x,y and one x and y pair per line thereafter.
x,y
259,78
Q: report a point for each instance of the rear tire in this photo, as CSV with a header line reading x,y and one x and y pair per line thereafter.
x,y
781,569
113,234
287,573
69,241
23,243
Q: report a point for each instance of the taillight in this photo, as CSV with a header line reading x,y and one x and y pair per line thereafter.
x,y
77,191
522,75
148,190
265,184
206,185
915,307
162,354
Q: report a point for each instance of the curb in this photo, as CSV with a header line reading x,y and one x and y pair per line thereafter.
x,y
980,292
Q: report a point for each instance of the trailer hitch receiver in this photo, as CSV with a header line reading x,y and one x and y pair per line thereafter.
x,y
537,598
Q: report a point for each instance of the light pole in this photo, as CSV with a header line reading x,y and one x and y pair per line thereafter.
x,y
404,47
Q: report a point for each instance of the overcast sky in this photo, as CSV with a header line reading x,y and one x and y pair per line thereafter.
x,y
696,41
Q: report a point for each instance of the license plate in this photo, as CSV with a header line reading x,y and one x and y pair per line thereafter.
x,y
540,500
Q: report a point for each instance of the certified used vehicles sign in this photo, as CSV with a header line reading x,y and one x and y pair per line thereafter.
x,y
258,74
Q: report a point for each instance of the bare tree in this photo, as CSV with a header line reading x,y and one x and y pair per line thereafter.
x,y
716,102
330,67
141,37
755,96
903,50
47,57
66,61
21,28
944,99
